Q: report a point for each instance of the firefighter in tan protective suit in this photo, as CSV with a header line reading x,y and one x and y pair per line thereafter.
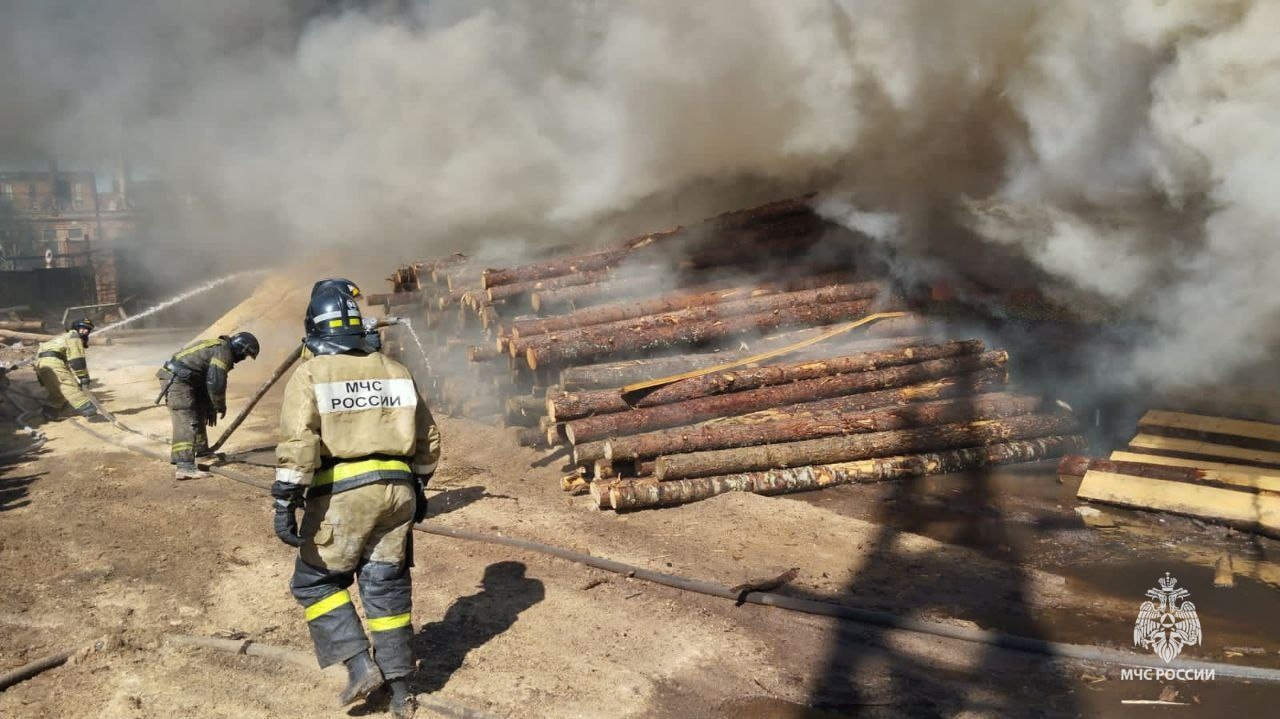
x,y
194,383
63,371
357,446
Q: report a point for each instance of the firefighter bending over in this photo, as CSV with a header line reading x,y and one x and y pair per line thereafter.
x,y
357,446
195,382
63,371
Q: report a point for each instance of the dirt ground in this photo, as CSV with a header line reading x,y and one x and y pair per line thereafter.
x,y
96,541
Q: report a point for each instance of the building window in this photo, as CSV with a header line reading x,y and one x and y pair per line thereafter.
x,y
77,195
6,189
50,235
75,234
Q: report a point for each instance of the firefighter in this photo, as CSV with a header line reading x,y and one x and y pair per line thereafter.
x,y
348,288
357,447
195,382
64,373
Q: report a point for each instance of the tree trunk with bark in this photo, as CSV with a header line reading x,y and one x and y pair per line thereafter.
x,y
813,426
697,297
584,404
643,494
828,450
21,325
740,380
880,335
491,278
588,344
568,299
514,289
641,316
696,410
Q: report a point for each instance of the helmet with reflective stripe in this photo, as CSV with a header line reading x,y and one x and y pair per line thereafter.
x,y
334,323
244,344
333,284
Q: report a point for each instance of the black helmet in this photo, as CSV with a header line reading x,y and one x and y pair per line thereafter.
x,y
334,324
243,344
337,284
347,287
85,324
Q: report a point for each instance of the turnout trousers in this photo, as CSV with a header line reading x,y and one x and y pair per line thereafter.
x,y
359,534
189,412
62,389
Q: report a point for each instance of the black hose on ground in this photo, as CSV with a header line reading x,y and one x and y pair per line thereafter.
x,y
257,396
865,616
809,606
43,664
229,474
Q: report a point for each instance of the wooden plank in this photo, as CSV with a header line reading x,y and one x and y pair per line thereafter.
x,y
1212,425
1242,469
1077,465
1208,449
1246,510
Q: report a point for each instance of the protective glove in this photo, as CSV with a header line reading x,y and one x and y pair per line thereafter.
x,y
420,497
84,384
288,497
211,419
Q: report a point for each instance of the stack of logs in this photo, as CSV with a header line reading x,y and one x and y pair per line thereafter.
x,y
15,328
781,388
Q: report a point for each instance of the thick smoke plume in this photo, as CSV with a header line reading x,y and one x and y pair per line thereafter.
x,y
1125,148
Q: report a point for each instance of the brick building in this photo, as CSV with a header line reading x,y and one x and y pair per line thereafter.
x,y
60,220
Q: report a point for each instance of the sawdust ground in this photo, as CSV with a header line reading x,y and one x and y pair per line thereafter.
x,y
98,541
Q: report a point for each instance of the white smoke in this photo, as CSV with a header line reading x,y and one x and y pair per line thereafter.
x,y
1126,148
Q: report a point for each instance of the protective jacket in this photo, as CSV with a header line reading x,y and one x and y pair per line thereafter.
x,y
203,363
66,350
63,371
348,420
355,431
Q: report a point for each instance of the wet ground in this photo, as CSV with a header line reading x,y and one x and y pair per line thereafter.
x,y
136,554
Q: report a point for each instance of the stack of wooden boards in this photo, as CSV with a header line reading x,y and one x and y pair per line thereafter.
x,y
789,380
1216,469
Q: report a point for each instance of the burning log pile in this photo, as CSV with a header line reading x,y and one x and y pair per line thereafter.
x,y
671,372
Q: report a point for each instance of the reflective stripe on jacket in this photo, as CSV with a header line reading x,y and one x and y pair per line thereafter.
x,y
348,420
66,349
208,362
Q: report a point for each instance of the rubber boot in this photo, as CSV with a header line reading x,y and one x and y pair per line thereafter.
x,y
403,704
363,676
185,470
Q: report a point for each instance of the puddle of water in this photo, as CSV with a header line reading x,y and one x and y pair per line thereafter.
x,y
1026,516
1240,616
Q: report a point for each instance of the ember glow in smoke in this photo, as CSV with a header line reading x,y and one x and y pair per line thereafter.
x,y
1127,149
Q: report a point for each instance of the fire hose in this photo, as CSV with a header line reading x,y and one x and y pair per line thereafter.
x,y
257,397
1030,645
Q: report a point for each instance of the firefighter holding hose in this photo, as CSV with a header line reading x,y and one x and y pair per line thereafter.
x,y
195,383
357,446
63,371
